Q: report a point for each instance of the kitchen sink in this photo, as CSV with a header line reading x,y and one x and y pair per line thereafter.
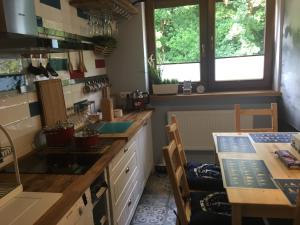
x,y
112,127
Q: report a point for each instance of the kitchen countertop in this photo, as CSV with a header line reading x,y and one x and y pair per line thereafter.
x,y
73,186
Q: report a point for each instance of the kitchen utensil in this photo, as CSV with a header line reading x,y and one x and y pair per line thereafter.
x,y
86,138
60,135
107,105
50,69
70,66
43,70
82,67
86,88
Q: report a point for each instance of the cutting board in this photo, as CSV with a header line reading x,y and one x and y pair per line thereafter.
x,y
52,101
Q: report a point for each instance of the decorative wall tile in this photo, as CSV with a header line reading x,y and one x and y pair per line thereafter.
x,y
10,66
52,3
100,63
8,83
34,109
82,14
59,64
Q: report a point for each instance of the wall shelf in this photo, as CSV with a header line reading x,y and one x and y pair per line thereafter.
x,y
121,8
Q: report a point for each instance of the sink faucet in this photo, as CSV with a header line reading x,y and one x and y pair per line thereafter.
x,y
13,152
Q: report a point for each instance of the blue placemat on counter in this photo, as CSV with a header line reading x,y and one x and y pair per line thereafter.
x,y
247,174
235,144
281,137
290,188
114,127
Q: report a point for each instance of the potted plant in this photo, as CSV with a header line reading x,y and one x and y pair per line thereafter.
x,y
160,86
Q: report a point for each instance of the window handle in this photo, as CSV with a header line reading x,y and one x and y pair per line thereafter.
x,y
203,50
212,43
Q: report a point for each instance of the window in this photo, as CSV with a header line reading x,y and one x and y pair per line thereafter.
x,y
177,42
224,47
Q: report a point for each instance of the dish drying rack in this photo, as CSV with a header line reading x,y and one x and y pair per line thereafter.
x,y
9,190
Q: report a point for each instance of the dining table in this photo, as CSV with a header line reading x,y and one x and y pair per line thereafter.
x,y
257,182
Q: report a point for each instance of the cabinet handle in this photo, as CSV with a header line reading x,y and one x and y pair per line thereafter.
x,y
129,203
101,191
125,150
103,220
80,211
127,170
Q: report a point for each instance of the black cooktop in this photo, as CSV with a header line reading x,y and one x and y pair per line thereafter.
x,y
55,163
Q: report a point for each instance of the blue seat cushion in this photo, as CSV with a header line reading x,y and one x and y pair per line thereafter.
x,y
200,217
204,182
280,221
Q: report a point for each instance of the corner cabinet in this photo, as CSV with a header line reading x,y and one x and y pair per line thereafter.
x,y
128,173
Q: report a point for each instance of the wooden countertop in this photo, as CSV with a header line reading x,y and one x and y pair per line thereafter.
x,y
73,186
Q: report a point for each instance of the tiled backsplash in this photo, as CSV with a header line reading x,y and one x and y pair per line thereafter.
x,y
20,113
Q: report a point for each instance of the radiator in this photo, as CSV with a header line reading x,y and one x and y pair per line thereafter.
x,y
196,127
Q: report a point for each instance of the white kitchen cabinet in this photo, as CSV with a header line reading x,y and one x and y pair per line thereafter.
x,y
80,213
145,153
128,173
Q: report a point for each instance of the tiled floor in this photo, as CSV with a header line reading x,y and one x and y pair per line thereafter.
x,y
156,204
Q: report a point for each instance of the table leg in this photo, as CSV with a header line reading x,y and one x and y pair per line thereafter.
x,y
236,215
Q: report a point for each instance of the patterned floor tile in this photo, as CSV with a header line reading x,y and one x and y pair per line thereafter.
x,y
157,204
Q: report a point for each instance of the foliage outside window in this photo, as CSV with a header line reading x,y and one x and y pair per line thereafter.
x,y
219,48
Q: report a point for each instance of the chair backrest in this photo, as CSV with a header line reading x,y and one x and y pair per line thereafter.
x,y
174,134
178,181
272,112
297,211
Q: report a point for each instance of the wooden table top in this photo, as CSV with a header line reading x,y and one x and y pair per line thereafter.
x,y
265,152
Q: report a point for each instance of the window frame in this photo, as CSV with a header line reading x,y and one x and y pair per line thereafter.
x,y
207,42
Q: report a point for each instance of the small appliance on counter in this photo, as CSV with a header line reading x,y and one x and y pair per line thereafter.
x,y
137,100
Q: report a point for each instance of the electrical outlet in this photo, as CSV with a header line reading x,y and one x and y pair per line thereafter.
x,y
123,94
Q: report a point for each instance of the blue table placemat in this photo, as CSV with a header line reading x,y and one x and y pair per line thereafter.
x,y
247,174
282,137
235,144
290,188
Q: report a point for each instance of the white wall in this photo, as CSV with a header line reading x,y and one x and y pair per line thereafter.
x,y
127,65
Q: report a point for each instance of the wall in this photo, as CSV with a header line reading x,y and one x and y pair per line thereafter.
x,y
127,66
162,107
290,79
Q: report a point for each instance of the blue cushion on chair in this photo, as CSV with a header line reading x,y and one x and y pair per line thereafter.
x,y
204,183
199,217
280,221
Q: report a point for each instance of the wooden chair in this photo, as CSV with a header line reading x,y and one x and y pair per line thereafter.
x,y
297,212
189,210
195,182
178,182
173,134
272,112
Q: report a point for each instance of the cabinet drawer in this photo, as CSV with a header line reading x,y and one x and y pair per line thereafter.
x,y
129,207
121,182
119,205
121,159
